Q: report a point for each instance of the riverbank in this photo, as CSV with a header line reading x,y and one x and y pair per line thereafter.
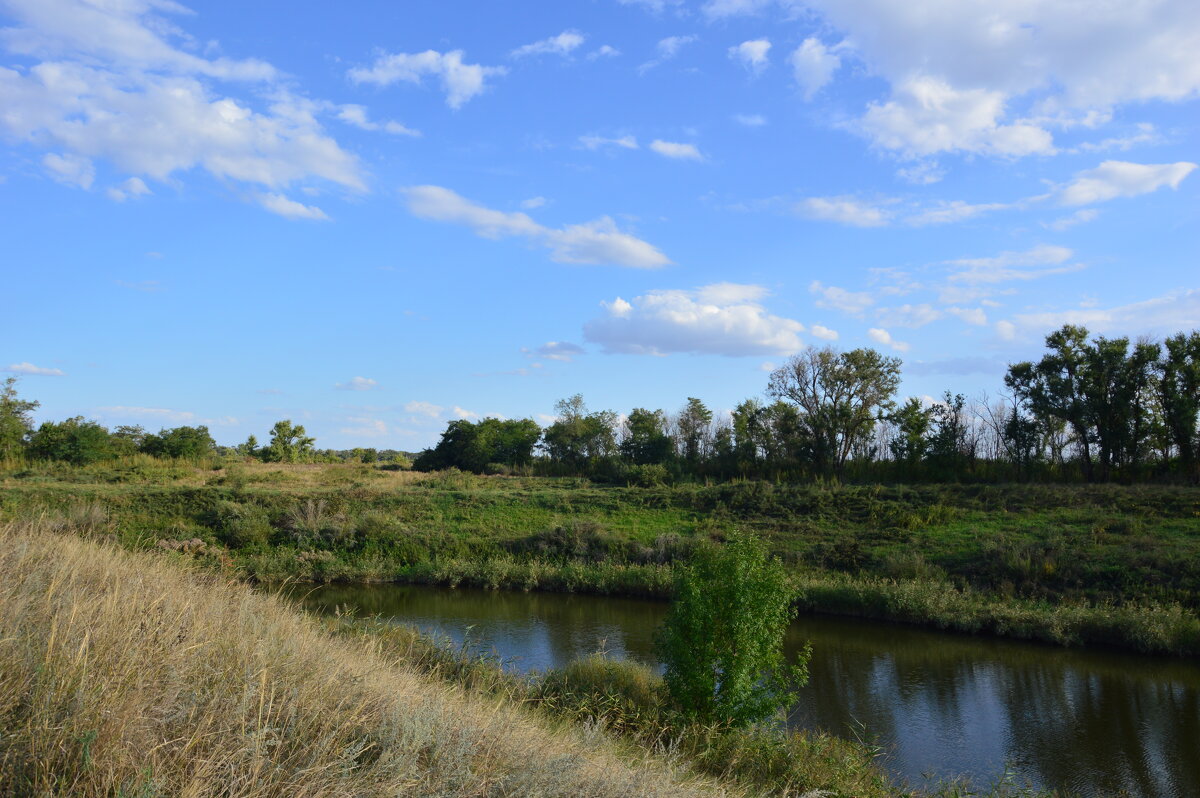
x,y
126,673
1071,565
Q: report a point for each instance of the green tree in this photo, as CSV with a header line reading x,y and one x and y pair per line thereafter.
x,y
289,443
249,448
580,438
912,421
75,441
694,427
16,419
646,441
187,442
840,396
1179,398
722,641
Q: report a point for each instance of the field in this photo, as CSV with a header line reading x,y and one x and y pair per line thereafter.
x,y
1113,565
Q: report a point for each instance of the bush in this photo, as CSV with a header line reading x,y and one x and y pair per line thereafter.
x,y
722,641
654,475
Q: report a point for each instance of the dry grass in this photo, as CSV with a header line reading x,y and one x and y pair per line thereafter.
x,y
126,675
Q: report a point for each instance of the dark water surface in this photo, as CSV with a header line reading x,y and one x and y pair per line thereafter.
x,y
1091,723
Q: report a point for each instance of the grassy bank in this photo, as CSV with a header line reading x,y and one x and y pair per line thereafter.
x,y
1112,565
125,674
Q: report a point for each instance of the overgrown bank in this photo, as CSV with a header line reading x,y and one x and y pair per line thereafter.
x,y
1067,564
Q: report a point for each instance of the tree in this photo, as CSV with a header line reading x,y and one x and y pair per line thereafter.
x,y
186,442
694,425
75,441
722,641
1179,398
249,448
473,446
840,396
911,422
646,441
579,438
16,419
289,443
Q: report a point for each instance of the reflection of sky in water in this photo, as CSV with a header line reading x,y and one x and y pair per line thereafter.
x,y
1093,723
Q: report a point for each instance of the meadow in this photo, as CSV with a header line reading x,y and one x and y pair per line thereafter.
x,y
1068,564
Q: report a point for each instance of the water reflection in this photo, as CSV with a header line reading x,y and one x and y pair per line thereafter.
x,y
1092,723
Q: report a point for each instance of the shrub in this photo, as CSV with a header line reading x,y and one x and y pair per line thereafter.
x,y
722,641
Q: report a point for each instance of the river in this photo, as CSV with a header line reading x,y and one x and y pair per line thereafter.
x,y
1092,723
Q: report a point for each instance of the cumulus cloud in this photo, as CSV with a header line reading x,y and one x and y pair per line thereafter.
x,y
116,87
460,81
563,44
40,371
752,54
721,319
357,384
1082,216
909,315
824,333
365,427
667,49
843,210
677,150
132,187
595,242
1113,179
161,414
533,203
884,338
813,65
461,412
949,212
834,298
1040,261
290,209
603,51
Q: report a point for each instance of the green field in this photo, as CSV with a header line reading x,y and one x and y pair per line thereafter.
x,y
1108,564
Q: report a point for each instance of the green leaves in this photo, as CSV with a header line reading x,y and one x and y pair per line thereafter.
x,y
723,639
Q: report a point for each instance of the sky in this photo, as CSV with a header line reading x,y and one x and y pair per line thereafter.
x,y
376,217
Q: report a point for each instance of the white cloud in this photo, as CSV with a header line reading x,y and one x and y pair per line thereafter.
x,y
723,319
533,203
132,187
843,210
290,209
926,116
1113,179
463,413
677,150
594,242
975,316
824,333
952,211
563,44
750,120
357,384
884,338
1006,330
460,81
667,49
956,68
356,115
366,427
834,298
813,65
1040,261
1166,314
909,315
603,51
70,169
716,9
597,142
752,54
1082,216
923,173
424,408
40,371
562,351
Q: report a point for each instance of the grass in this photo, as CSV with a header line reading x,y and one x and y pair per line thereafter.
x,y
124,674
1109,564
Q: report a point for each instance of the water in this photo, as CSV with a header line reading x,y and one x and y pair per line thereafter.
x,y
1089,723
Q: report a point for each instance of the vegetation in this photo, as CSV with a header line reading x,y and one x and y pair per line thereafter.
x,y
722,642
123,674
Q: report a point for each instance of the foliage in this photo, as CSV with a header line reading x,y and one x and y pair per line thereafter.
x,y
75,441
579,438
474,446
289,443
722,642
180,442
16,419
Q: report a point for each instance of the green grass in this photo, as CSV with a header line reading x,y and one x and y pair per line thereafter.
x,y
1110,564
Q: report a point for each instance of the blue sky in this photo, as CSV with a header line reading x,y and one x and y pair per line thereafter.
x,y
373,218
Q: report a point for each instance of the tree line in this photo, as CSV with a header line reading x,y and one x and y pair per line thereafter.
x,y
1090,409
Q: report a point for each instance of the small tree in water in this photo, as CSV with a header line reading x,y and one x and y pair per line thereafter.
x,y
722,641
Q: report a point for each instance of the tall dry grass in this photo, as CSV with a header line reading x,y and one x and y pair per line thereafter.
x,y
123,674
